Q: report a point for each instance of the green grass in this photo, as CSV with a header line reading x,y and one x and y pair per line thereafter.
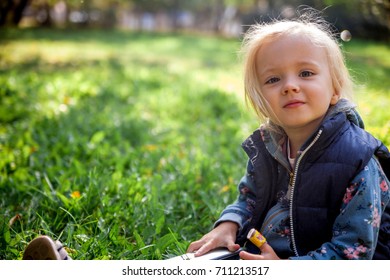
x,y
370,66
127,145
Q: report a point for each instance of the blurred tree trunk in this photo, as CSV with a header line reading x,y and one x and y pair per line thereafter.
x,y
46,20
175,8
5,8
217,14
12,11
18,12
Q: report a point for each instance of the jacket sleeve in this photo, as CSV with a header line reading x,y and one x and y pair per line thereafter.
x,y
241,211
356,228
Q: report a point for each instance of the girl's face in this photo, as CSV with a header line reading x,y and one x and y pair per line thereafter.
x,y
295,81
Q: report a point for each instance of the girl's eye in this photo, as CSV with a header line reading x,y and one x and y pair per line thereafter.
x,y
306,74
272,80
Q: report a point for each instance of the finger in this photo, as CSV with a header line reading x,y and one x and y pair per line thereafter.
x,y
248,256
204,249
233,247
195,246
267,249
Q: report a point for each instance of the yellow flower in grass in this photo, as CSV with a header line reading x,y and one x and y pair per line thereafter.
x,y
75,194
226,188
150,147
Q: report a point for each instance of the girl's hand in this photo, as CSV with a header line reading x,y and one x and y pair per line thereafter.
x,y
267,253
224,235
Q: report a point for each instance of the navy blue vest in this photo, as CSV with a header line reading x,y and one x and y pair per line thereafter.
x,y
325,172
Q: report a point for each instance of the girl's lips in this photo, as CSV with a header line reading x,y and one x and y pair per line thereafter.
x,y
293,104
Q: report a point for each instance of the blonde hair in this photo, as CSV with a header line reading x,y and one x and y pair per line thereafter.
x,y
317,31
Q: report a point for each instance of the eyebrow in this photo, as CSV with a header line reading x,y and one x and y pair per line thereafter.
x,y
266,69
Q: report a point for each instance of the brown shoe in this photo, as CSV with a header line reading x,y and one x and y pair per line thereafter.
x,y
45,248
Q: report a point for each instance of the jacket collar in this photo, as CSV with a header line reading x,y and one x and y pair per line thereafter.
x,y
275,140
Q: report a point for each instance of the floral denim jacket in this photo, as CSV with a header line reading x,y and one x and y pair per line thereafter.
x,y
365,199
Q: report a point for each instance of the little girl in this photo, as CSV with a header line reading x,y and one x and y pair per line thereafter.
x,y
315,184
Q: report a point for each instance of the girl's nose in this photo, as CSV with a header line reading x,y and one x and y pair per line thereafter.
x,y
290,86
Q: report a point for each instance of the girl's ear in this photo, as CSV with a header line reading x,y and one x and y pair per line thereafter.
x,y
335,97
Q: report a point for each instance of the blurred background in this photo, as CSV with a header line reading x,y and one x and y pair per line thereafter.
x,y
364,18
121,121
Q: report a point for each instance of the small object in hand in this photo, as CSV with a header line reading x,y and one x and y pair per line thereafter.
x,y
256,238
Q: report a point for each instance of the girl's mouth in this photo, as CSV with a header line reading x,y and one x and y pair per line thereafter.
x,y
294,104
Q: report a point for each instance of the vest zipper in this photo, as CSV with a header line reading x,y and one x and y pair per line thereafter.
x,y
292,181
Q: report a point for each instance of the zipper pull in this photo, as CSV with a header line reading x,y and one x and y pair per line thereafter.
x,y
291,178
